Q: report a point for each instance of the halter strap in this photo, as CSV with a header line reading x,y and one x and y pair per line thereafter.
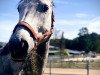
x,y
37,37
34,34
25,24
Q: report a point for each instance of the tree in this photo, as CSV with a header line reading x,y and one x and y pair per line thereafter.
x,y
83,31
62,41
95,38
55,40
85,41
56,34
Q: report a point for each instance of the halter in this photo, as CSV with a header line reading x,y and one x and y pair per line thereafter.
x,y
38,39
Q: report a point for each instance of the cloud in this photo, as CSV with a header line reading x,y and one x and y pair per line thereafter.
x,y
8,15
81,15
94,25
71,34
6,28
71,22
71,27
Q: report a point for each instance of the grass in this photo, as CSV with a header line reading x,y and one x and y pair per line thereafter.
x,y
93,65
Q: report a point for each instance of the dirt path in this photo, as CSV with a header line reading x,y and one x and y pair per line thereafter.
x,y
63,71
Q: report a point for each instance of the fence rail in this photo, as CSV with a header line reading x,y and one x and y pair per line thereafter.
x,y
57,66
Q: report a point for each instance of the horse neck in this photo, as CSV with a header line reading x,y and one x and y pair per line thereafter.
x,y
36,60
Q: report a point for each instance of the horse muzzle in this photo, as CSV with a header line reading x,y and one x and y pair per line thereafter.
x,y
18,49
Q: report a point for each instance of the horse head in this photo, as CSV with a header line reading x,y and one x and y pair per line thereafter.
x,y
35,24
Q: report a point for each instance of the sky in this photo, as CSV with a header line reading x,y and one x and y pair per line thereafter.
x,y
70,16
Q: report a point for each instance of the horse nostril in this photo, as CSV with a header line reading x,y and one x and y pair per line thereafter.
x,y
18,49
24,46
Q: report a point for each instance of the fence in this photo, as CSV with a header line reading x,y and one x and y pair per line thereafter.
x,y
71,66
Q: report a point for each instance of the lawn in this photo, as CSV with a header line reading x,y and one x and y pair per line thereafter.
x,y
70,64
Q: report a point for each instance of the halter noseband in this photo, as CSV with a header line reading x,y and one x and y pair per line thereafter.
x,y
34,34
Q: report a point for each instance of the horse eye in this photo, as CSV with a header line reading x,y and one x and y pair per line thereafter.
x,y
42,7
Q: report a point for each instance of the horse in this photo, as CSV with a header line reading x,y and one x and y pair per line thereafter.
x,y
27,50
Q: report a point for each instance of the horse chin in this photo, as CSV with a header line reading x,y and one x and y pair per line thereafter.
x,y
18,49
